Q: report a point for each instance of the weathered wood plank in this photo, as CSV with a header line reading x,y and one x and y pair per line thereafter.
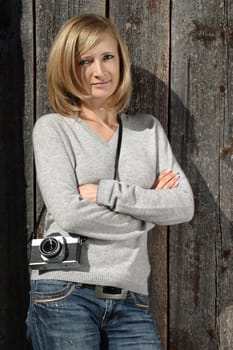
x,y
50,16
145,27
200,125
225,247
28,120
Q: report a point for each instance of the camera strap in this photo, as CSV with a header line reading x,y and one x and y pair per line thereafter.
x,y
118,151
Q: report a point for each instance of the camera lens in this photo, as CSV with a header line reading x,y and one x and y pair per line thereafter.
x,y
50,247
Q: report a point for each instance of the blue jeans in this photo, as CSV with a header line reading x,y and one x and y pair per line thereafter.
x,y
67,316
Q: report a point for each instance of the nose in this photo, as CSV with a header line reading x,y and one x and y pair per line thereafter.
x,y
98,68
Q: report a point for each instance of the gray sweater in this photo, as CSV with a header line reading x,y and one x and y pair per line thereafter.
x,y
68,153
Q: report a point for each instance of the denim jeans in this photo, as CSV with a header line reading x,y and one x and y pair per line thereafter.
x,y
66,316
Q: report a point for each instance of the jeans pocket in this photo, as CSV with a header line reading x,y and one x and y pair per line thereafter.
x,y
44,291
140,300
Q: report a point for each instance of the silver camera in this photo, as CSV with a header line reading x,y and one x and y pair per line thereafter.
x,y
55,252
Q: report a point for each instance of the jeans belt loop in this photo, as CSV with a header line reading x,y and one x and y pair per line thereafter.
x,y
101,295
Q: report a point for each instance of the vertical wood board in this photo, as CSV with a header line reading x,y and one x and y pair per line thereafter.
x,y
198,112
225,246
27,30
145,27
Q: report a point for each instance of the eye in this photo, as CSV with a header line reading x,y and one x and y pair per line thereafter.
x,y
85,61
108,57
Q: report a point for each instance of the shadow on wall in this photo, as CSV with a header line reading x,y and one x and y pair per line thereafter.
x,y
194,250
13,249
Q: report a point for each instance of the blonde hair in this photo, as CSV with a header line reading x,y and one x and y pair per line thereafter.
x,y
76,36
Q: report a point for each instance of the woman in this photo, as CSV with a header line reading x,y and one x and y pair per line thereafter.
x,y
103,302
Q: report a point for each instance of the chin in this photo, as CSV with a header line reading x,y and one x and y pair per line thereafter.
x,y
100,98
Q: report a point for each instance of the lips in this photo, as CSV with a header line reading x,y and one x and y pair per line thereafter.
x,y
101,83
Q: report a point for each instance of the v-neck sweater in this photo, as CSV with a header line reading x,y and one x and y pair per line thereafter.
x,y
69,153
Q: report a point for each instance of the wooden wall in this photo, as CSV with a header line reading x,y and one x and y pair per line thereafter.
x,y
201,131
182,70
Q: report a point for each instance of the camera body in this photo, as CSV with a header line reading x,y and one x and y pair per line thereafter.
x,y
55,252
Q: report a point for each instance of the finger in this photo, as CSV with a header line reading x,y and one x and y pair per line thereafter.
x,y
168,181
161,178
88,192
164,180
171,184
166,175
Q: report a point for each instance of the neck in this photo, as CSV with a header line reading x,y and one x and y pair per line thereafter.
x,y
99,115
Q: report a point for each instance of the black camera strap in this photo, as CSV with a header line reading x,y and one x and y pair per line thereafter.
x,y
118,151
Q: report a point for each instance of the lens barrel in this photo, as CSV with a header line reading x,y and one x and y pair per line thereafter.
x,y
50,247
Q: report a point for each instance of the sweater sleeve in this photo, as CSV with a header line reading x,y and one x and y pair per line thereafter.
x,y
56,177
162,207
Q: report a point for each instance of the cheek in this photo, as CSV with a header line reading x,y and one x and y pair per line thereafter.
x,y
116,72
118,75
84,77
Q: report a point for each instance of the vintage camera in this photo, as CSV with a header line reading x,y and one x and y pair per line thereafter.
x,y
55,252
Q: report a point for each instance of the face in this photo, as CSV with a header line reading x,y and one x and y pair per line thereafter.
x,y
99,69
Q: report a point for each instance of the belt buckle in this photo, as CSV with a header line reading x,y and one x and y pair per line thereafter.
x,y
99,293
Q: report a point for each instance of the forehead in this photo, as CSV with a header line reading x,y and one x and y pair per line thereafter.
x,y
105,43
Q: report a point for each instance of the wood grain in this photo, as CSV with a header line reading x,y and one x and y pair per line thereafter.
x,y
200,126
145,25
27,35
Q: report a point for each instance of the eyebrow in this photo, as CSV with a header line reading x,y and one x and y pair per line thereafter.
x,y
102,54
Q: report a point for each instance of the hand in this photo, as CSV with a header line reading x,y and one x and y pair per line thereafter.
x,y
88,191
166,180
